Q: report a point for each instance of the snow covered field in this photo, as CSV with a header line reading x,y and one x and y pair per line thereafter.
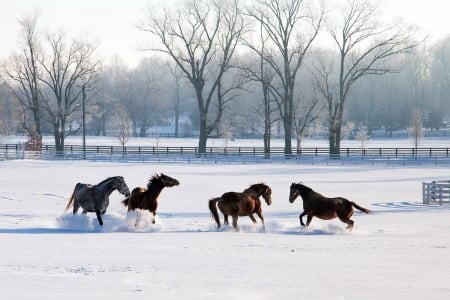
x,y
443,141
401,251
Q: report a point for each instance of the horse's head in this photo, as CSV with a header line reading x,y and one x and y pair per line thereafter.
x,y
260,189
294,192
122,186
297,189
266,193
168,181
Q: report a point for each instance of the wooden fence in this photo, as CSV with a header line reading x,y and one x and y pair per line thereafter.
x,y
437,152
307,155
436,192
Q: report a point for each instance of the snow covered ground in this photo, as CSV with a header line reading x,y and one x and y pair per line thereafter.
x,y
401,251
443,141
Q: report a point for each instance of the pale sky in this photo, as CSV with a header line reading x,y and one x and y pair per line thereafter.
x,y
112,23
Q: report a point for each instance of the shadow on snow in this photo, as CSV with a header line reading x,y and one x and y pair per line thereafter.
x,y
189,222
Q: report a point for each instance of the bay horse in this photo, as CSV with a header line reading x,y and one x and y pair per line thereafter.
x,y
95,198
317,205
147,198
236,204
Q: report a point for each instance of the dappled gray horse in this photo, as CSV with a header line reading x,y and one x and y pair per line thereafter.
x,y
95,198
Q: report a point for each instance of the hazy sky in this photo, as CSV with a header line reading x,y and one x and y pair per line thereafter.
x,y
112,23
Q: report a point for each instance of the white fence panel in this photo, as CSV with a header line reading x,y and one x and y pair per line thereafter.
x,y
436,192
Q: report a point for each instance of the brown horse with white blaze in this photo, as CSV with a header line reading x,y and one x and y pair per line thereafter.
x,y
236,204
317,205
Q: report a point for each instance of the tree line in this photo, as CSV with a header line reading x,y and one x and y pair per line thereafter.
x,y
289,67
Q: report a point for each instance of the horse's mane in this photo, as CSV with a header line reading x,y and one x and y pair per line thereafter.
x,y
254,186
258,184
109,178
304,186
153,179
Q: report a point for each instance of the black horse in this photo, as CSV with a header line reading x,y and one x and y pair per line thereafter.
x,y
317,205
95,198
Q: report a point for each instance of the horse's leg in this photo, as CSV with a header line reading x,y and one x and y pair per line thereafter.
x,y
344,214
235,219
260,215
301,220
308,220
225,219
76,206
99,217
138,217
154,217
347,221
252,217
350,225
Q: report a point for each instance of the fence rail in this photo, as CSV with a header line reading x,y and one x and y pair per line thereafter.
x,y
401,155
256,151
436,192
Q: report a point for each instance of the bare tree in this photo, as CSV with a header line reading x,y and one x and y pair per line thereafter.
x,y
291,27
440,79
22,75
260,71
364,45
147,106
123,126
306,112
177,76
70,66
416,131
201,38
8,109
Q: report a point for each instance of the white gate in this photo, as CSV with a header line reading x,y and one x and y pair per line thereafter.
x,y
436,192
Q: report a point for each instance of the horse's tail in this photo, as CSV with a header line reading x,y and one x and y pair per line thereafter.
x,y
364,210
213,208
72,198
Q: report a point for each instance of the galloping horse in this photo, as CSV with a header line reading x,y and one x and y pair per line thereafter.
x,y
317,205
148,198
95,198
241,204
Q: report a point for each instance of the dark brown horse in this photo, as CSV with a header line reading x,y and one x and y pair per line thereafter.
x,y
147,198
317,205
241,204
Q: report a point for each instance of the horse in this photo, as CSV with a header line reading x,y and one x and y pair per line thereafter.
x,y
147,198
236,204
317,205
95,198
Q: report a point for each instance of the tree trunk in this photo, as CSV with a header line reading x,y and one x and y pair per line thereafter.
x,y
59,141
267,144
287,121
299,144
267,133
142,129
177,108
203,134
335,140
